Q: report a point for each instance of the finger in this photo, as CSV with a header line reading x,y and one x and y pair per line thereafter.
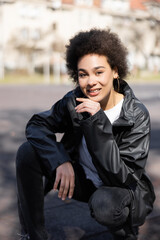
x,y
85,100
61,188
65,190
84,109
88,106
71,189
82,99
84,104
57,180
90,110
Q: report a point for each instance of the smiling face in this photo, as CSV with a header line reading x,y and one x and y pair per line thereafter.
x,y
95,78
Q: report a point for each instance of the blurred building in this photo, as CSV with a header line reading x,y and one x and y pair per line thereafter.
x,y
34,33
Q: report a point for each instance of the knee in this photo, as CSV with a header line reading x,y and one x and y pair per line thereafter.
x,y
107,208
25,156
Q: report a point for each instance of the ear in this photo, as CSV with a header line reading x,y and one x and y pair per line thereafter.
x,y
115,72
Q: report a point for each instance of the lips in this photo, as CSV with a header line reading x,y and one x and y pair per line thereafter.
x,y
93,92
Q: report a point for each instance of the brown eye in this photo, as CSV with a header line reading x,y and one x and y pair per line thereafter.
x,y
82,75
99,73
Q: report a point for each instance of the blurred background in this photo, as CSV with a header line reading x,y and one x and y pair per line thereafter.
x,y
33,76
34,34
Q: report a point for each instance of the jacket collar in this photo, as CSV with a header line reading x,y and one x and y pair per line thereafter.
x,y
127,117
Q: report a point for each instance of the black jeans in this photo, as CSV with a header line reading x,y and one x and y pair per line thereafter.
x,y
108,205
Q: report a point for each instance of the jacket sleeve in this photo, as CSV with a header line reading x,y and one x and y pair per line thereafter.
x,y
118,164
40,132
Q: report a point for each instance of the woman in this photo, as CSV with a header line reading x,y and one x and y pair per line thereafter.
x,y
102,155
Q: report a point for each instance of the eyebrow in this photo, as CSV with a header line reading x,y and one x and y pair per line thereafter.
x,y
84,70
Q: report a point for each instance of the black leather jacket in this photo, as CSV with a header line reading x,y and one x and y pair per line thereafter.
x,y
119,150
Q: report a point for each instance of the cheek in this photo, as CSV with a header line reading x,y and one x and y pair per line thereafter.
x,y
81,83
107,80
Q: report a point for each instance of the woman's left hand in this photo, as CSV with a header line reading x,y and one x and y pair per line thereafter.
x,y
87,105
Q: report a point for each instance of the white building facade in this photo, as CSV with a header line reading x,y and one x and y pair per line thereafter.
x,y
34,33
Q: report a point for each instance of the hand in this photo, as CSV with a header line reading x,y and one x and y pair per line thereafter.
x,y
64,176
87,105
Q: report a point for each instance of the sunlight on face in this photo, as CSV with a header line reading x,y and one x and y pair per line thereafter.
x,y
95,78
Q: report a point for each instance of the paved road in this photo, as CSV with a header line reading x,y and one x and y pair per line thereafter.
x,y
69,220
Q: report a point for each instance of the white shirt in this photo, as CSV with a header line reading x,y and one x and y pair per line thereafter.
x,y
85,158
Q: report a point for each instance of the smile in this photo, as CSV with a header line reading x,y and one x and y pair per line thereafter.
x,y
93,92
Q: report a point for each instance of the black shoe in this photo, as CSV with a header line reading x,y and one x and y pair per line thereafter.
x,y
23,236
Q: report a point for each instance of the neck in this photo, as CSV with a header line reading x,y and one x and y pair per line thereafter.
x,y
112,100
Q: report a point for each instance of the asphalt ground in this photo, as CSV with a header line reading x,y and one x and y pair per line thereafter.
x,y
68,220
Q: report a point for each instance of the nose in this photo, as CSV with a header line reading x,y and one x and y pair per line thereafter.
x,y
91,80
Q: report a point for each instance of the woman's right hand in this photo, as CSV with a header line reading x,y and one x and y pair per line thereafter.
x,y
66,178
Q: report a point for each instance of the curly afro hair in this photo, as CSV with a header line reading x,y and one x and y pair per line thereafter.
x,y
96,41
